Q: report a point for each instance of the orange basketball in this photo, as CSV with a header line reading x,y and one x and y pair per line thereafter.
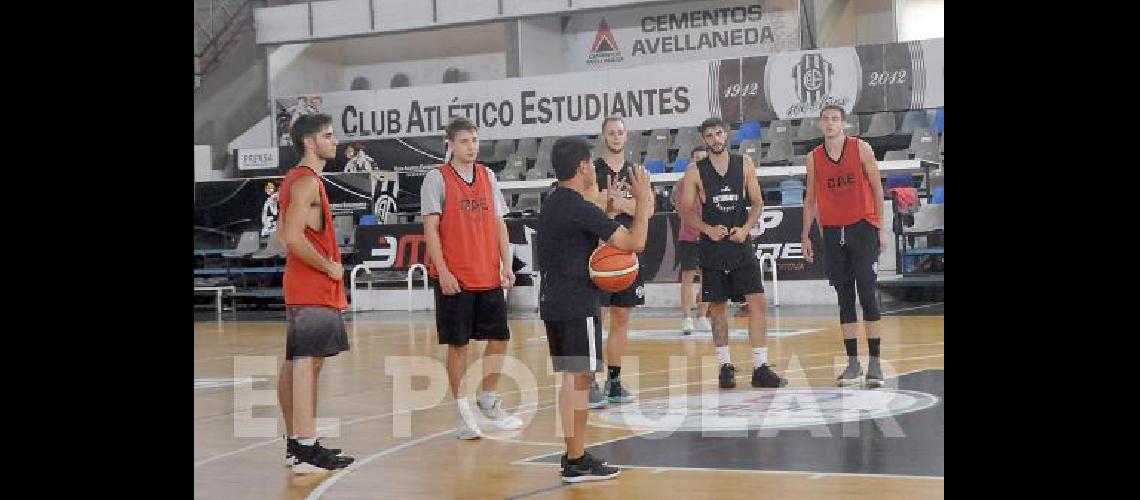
x,y
612,268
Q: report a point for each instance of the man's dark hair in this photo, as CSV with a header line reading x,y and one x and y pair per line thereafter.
x,y
842,112
305,126
460,123
711,123
567,154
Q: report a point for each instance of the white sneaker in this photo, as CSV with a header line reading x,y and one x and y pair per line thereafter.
x,y
703,324
499,417
687,326
468,431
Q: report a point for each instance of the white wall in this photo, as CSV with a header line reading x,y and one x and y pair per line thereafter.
x,y
921,19
316,69
874,22
202,160
491,66
258,136
844,23
834,23
334,18
541,46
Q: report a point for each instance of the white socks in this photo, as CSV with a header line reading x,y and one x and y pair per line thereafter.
x,y
722,355
487,399
760,355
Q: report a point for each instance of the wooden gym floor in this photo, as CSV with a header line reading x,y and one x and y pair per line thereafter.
x,y
683,438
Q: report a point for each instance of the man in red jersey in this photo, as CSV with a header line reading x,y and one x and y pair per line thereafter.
x,y
843,184
470,267
314,294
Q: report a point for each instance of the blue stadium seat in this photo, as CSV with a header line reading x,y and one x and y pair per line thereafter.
x,y
748,130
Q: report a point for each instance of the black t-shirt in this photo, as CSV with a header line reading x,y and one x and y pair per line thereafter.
x,y
569,228
606,177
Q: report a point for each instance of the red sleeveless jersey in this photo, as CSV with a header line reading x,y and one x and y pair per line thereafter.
x,y
469,230
303,284
842,190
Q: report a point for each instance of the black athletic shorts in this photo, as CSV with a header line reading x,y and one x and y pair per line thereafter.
x,y
719,285
314,331
470,315
688,255
576,344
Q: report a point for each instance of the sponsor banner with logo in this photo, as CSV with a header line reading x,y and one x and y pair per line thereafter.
x,y
684,31
398,246
785,85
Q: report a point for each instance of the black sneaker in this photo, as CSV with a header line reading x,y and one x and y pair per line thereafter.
x,y
565,461
851,374
763,376
727,376
874,373
291,451
314,459
588,468
616,393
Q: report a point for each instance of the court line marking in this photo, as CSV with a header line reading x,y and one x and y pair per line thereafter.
x,y
535,492
373,417
813,474
781,358
452,402
529,460
329,482
913,308
834,354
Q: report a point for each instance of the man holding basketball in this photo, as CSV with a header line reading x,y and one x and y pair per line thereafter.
x,y
569,228
728,264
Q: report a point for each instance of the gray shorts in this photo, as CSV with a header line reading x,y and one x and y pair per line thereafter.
x,y
314,332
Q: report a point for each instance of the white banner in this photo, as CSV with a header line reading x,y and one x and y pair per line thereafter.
x,y
568,104
256,158
787,85
683,31
799,84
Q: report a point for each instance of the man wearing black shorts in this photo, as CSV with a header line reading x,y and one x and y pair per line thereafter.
x,y
843,184
728,264
569,227
467,245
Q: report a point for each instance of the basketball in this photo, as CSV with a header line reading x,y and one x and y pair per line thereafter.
x,y
612,268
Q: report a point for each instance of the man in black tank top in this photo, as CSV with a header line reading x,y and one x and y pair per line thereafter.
x,y
617,201
728,263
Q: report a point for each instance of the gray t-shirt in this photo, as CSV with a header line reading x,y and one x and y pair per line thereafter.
x,y
432,192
